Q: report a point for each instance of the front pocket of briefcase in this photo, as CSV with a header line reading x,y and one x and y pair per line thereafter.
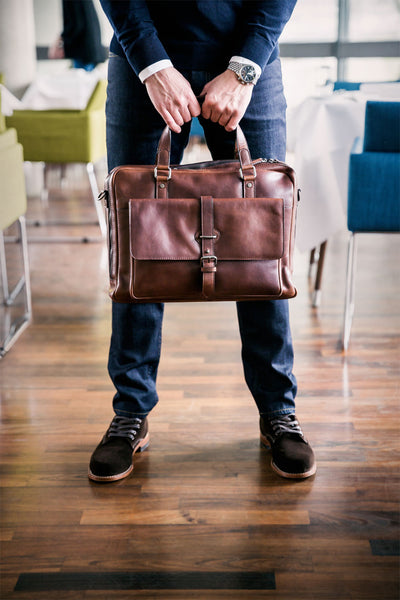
x,y
249,247
165,248
165,255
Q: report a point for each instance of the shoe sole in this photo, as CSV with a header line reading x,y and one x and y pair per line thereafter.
x,y
140,447
265,443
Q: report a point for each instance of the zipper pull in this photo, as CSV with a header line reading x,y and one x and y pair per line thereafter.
x,y
103,197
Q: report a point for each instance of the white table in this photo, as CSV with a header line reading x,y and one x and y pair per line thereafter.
x,y
321,133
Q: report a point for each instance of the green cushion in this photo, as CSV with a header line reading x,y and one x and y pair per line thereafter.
x,y
12,180
63,136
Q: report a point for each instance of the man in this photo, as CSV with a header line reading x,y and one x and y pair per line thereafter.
x,y
81,37
165,57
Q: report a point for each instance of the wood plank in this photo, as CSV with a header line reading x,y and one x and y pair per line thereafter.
x,y
229,518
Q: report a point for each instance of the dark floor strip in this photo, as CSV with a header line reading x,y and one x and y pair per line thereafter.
x,y
385,547
154,580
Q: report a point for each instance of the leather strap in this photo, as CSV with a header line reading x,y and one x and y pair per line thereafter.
x,y
164,150
162,171
242,149
208,260
247,169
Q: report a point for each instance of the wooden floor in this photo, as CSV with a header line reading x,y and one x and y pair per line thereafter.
x,y
203,516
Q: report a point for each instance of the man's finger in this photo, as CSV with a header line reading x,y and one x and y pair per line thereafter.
x,y
232,121
224,119
216,114
206,109
231,125
177,116
170,121
185,114
194,108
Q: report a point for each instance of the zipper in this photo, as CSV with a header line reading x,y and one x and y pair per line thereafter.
x,y
271,161
221,163
268,160
203,165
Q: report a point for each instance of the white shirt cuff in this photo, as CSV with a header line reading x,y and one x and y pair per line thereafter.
x,y
154,68
246,61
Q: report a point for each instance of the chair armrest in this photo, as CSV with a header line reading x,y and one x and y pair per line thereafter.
x,y
98,98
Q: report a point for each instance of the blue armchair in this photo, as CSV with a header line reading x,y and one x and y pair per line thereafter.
x,y
373,189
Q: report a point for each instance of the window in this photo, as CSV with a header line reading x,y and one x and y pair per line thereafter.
x,y
373,20
312,22
356,40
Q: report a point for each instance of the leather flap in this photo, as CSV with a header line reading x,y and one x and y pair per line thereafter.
x,y
170,229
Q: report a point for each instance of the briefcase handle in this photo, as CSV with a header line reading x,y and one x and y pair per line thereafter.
x,y
162,169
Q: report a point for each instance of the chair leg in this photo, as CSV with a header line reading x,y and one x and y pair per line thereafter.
x,y
313,259
44,194
95,193
20,324
350,291
318,278
25,262
3,267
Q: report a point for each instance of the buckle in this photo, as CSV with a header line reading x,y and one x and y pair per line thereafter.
x,y
212,257
254,172
156,174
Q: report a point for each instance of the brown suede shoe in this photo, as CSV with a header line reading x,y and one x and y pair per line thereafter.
x,y
292,456
113,458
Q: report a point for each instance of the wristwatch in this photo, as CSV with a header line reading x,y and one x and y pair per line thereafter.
x,y
246,73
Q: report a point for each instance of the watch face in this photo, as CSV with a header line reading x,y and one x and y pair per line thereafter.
x,y
248,73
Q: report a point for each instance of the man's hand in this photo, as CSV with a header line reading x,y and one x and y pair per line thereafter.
x,y
56,50
226,100
173,97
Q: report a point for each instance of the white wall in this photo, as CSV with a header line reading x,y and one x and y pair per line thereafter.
x,y
17,44
48,21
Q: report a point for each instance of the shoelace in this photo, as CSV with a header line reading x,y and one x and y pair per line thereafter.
x,y
124,427
285,424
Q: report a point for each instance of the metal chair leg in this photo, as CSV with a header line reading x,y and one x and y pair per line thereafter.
x,y
350,291
313,259
25,261
19,325
3,267
95,193
44,192
318,278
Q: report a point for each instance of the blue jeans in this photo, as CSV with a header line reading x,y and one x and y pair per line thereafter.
x,y
133,131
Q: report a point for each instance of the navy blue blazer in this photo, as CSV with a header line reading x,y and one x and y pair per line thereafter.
x,y
196,34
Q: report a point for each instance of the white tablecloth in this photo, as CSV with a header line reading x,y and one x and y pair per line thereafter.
x,y
321,133
66,90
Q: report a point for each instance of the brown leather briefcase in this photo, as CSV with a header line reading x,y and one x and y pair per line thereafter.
x,y
218,230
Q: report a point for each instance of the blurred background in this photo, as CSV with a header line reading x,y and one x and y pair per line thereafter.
x,y
356,40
